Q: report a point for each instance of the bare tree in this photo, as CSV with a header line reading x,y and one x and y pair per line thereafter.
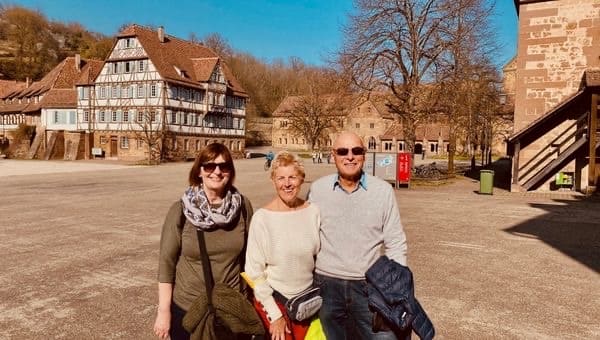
x,y
392,46
152,133
219,44
313,116
400,46
464,73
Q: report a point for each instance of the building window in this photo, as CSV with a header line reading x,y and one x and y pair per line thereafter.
x,y
115,68
84,92
140,143
357,125
114,92
102,139
102,116
372,125
140,116
56,117
114,116
372,143
141,66
125,116
153,116
86,116
124,142
128,66
140,91
153,90
432,147
102,92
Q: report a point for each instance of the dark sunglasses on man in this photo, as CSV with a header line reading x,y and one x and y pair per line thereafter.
x,y
212,166
356,151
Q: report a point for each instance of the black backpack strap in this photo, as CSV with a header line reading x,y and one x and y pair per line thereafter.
x,y
206,269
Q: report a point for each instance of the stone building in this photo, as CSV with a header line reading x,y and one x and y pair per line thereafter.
x,y
556,95
366,117
50,105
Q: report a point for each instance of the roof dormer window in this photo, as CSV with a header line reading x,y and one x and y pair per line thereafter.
x,y
181,72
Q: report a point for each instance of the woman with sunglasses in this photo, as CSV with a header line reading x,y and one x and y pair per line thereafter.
x,y
213,205
282,244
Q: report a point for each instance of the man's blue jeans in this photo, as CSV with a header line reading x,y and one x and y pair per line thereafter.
x,y
345,311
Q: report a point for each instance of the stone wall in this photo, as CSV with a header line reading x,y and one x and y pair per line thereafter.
x,y
558,41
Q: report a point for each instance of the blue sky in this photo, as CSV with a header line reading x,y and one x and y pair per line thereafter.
x,y
267,29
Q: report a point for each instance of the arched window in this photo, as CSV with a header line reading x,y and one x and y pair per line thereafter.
x,y
372,143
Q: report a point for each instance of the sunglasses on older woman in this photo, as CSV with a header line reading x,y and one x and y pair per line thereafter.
x,y
212,166
356,151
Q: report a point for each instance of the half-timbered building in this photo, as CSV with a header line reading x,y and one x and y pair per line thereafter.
x,y
158,89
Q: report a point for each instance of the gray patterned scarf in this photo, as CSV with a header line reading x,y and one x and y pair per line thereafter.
x,y
197,210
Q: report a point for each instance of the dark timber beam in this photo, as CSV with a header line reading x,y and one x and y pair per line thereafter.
x,y
593,137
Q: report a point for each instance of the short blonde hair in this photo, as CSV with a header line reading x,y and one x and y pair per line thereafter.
x,y
286,158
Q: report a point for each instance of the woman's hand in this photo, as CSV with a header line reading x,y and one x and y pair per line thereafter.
x,y
162,323
278,328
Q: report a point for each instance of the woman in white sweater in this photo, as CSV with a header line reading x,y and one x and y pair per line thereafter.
x,y
282,244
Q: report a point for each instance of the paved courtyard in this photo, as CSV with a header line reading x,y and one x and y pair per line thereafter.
x,y
79,252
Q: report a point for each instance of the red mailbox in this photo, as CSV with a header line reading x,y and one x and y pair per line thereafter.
x,y
403,174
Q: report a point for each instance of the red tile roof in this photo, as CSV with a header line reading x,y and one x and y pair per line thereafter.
x,y
57,88
195,60
59,98
8,87
429,131
89,71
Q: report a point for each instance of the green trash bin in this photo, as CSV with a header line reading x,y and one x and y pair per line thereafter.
x,y
486,182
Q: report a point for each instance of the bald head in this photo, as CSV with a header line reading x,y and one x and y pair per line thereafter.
x,y
349,156
347,138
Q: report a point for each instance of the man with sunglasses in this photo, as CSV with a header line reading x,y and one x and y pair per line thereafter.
x,y
360,220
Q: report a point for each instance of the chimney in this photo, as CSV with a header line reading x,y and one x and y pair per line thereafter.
x,y
161,34
27,82
78,62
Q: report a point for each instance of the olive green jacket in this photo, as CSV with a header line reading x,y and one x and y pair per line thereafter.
x,y
179,258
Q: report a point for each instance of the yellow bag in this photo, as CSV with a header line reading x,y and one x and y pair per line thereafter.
x,y
315,331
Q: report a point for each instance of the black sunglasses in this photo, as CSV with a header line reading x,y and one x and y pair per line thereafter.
x,y
212,166
356,151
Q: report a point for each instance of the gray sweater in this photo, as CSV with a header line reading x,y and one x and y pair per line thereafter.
x,y
357,227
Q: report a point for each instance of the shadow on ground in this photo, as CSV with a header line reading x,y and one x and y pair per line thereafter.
x,y
502,172
560,229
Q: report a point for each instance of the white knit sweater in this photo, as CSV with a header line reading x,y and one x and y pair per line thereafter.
x,y
282,246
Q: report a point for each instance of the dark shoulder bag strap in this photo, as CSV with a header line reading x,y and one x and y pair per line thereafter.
x,y
206,268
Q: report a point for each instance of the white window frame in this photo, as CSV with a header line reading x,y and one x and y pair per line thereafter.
x,y
124,142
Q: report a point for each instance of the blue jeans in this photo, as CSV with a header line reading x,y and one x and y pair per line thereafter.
x,y
345,311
